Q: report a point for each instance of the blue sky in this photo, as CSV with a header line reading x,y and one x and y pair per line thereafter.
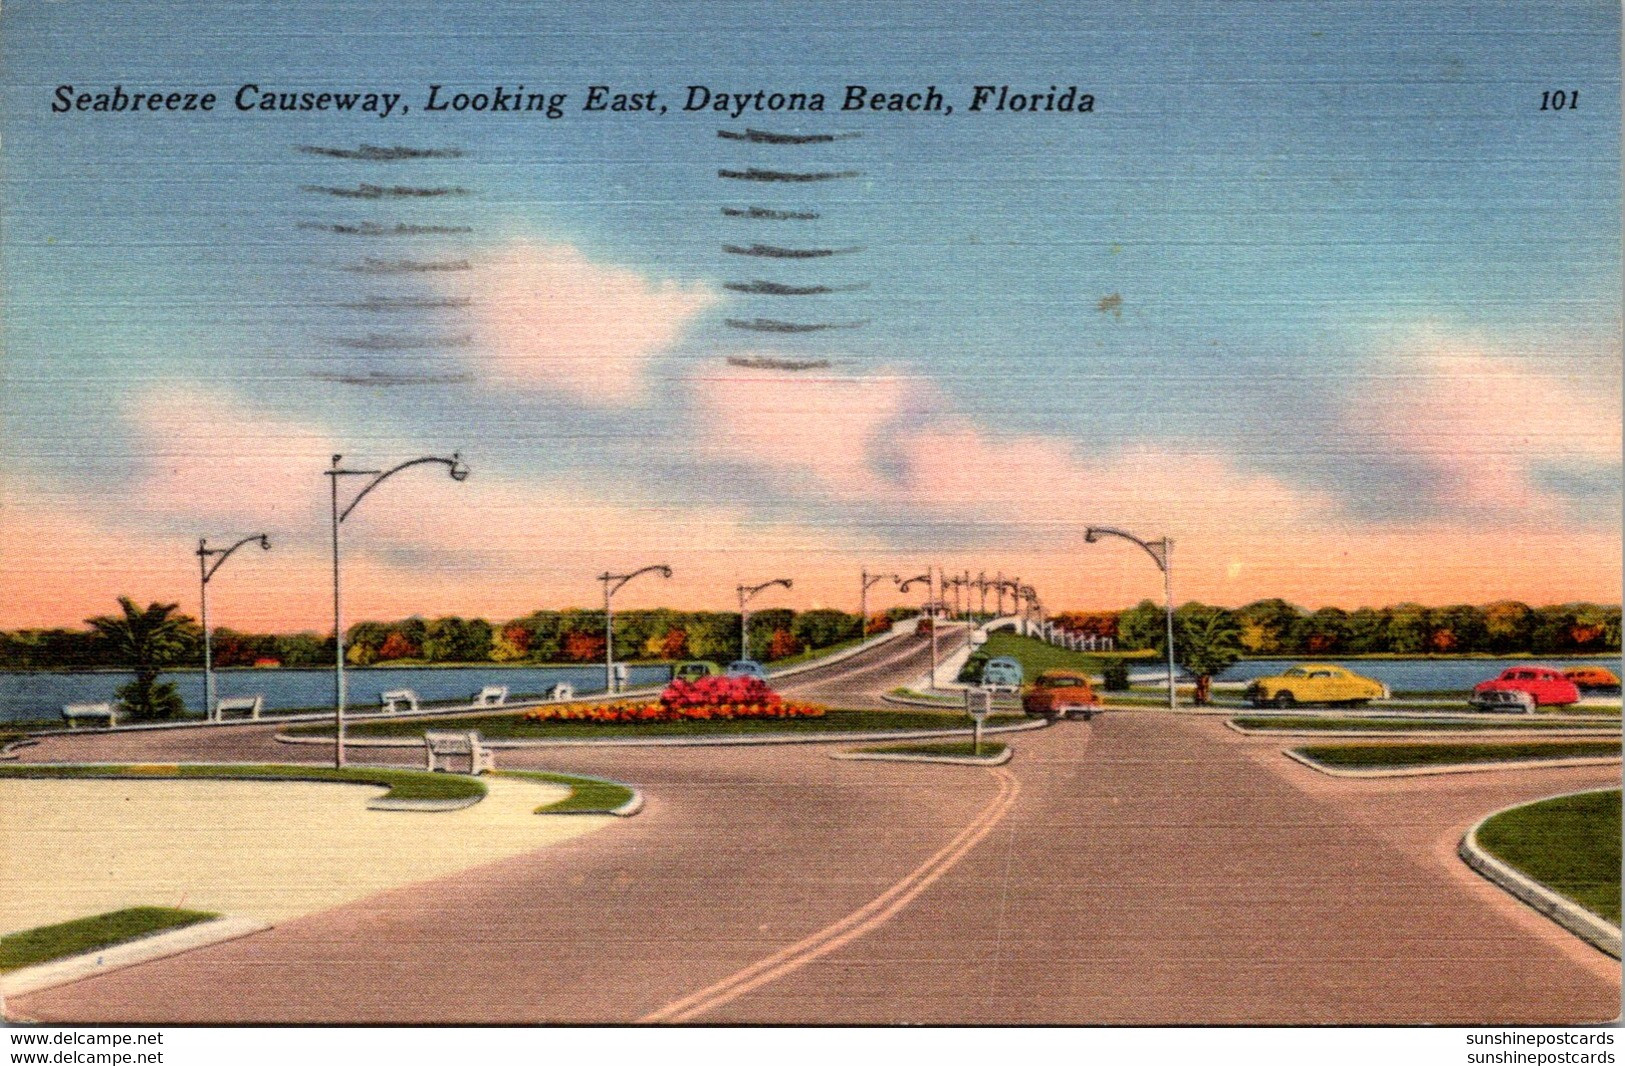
x,y
1299,205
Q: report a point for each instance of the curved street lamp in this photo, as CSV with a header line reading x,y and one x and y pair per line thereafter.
x,y
868,581
459,472
612,585
746,594
205,572
902,586
1161,552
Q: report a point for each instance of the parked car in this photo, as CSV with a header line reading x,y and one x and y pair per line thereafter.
x,y
1585,677
1002,675
1060,694
1315,683
693,671
747,668
1545,686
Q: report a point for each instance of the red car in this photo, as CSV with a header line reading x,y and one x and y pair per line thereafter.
x,y
1060,694
1541,685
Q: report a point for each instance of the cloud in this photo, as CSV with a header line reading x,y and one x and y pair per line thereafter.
x,y
829,432
550,320
1494,434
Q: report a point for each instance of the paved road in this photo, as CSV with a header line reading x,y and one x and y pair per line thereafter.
x,y
1138,869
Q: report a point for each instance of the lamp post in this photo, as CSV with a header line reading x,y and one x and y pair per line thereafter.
x,y
612,585
1161,552
205,572
459,472
867,579
746,594
902,586
981,584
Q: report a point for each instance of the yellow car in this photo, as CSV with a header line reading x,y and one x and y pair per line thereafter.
x,y
1315,683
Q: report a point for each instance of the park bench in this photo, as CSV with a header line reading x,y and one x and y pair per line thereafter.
x,y
442,746
75,712
251,705
393,701
491,696
561,692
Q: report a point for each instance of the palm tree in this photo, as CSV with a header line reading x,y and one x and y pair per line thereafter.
x,y
147,640
1207,641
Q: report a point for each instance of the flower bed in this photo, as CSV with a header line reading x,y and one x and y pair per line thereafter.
x,y
628,713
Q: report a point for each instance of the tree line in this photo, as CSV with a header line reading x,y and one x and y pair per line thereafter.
x,y
1275,627
545,636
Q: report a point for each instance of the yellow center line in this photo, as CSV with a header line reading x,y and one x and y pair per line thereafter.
x,y
859,923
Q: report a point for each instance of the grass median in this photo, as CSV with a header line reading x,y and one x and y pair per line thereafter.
x,y
1400,756
402,784
588,795
48,942
1306,724
959,749
514,726
1570,844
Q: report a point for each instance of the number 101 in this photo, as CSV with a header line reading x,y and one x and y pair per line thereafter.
x,y
1558,100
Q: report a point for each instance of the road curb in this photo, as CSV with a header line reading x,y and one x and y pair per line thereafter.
x,y
957,760
678,742
383,804
1596,931
1453,768
1392,734
158,946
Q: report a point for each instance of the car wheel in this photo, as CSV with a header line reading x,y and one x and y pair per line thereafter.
x,y
1283,700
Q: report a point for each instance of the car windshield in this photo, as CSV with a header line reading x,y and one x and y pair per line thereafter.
x,y
1063,682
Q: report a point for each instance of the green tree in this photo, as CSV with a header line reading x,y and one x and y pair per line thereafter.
x,y
147,640
1507,625
1266,626
1207,641
714,636
1410,627
1141,626
1321,633
824,626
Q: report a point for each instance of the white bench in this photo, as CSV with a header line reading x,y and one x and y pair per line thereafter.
x,y
444,746
490,696
251,705
74,712
561,691
392,701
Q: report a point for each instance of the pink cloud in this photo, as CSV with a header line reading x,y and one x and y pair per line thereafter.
x,y
819,426
1485,423
551,320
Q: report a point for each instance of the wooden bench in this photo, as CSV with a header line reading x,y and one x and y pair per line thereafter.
x,y
443,746
392,701
251,705
490,696
561,691
73,713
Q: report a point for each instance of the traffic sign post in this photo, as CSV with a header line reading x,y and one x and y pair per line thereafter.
x,y
978,704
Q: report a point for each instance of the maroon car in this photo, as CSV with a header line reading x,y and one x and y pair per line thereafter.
x,y
1524,688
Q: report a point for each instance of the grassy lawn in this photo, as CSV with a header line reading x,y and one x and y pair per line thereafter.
x,y
587,795
514,726
1569,844
33,946
1303,723
816,653
1036,656
1387,756
990,748
402,784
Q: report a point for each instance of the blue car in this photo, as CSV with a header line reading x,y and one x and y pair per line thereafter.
x,y
1002,674
747,668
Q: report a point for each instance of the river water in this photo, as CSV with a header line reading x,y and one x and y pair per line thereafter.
x,y
36,696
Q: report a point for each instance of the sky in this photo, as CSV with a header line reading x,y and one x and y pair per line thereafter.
x,y
1317,290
